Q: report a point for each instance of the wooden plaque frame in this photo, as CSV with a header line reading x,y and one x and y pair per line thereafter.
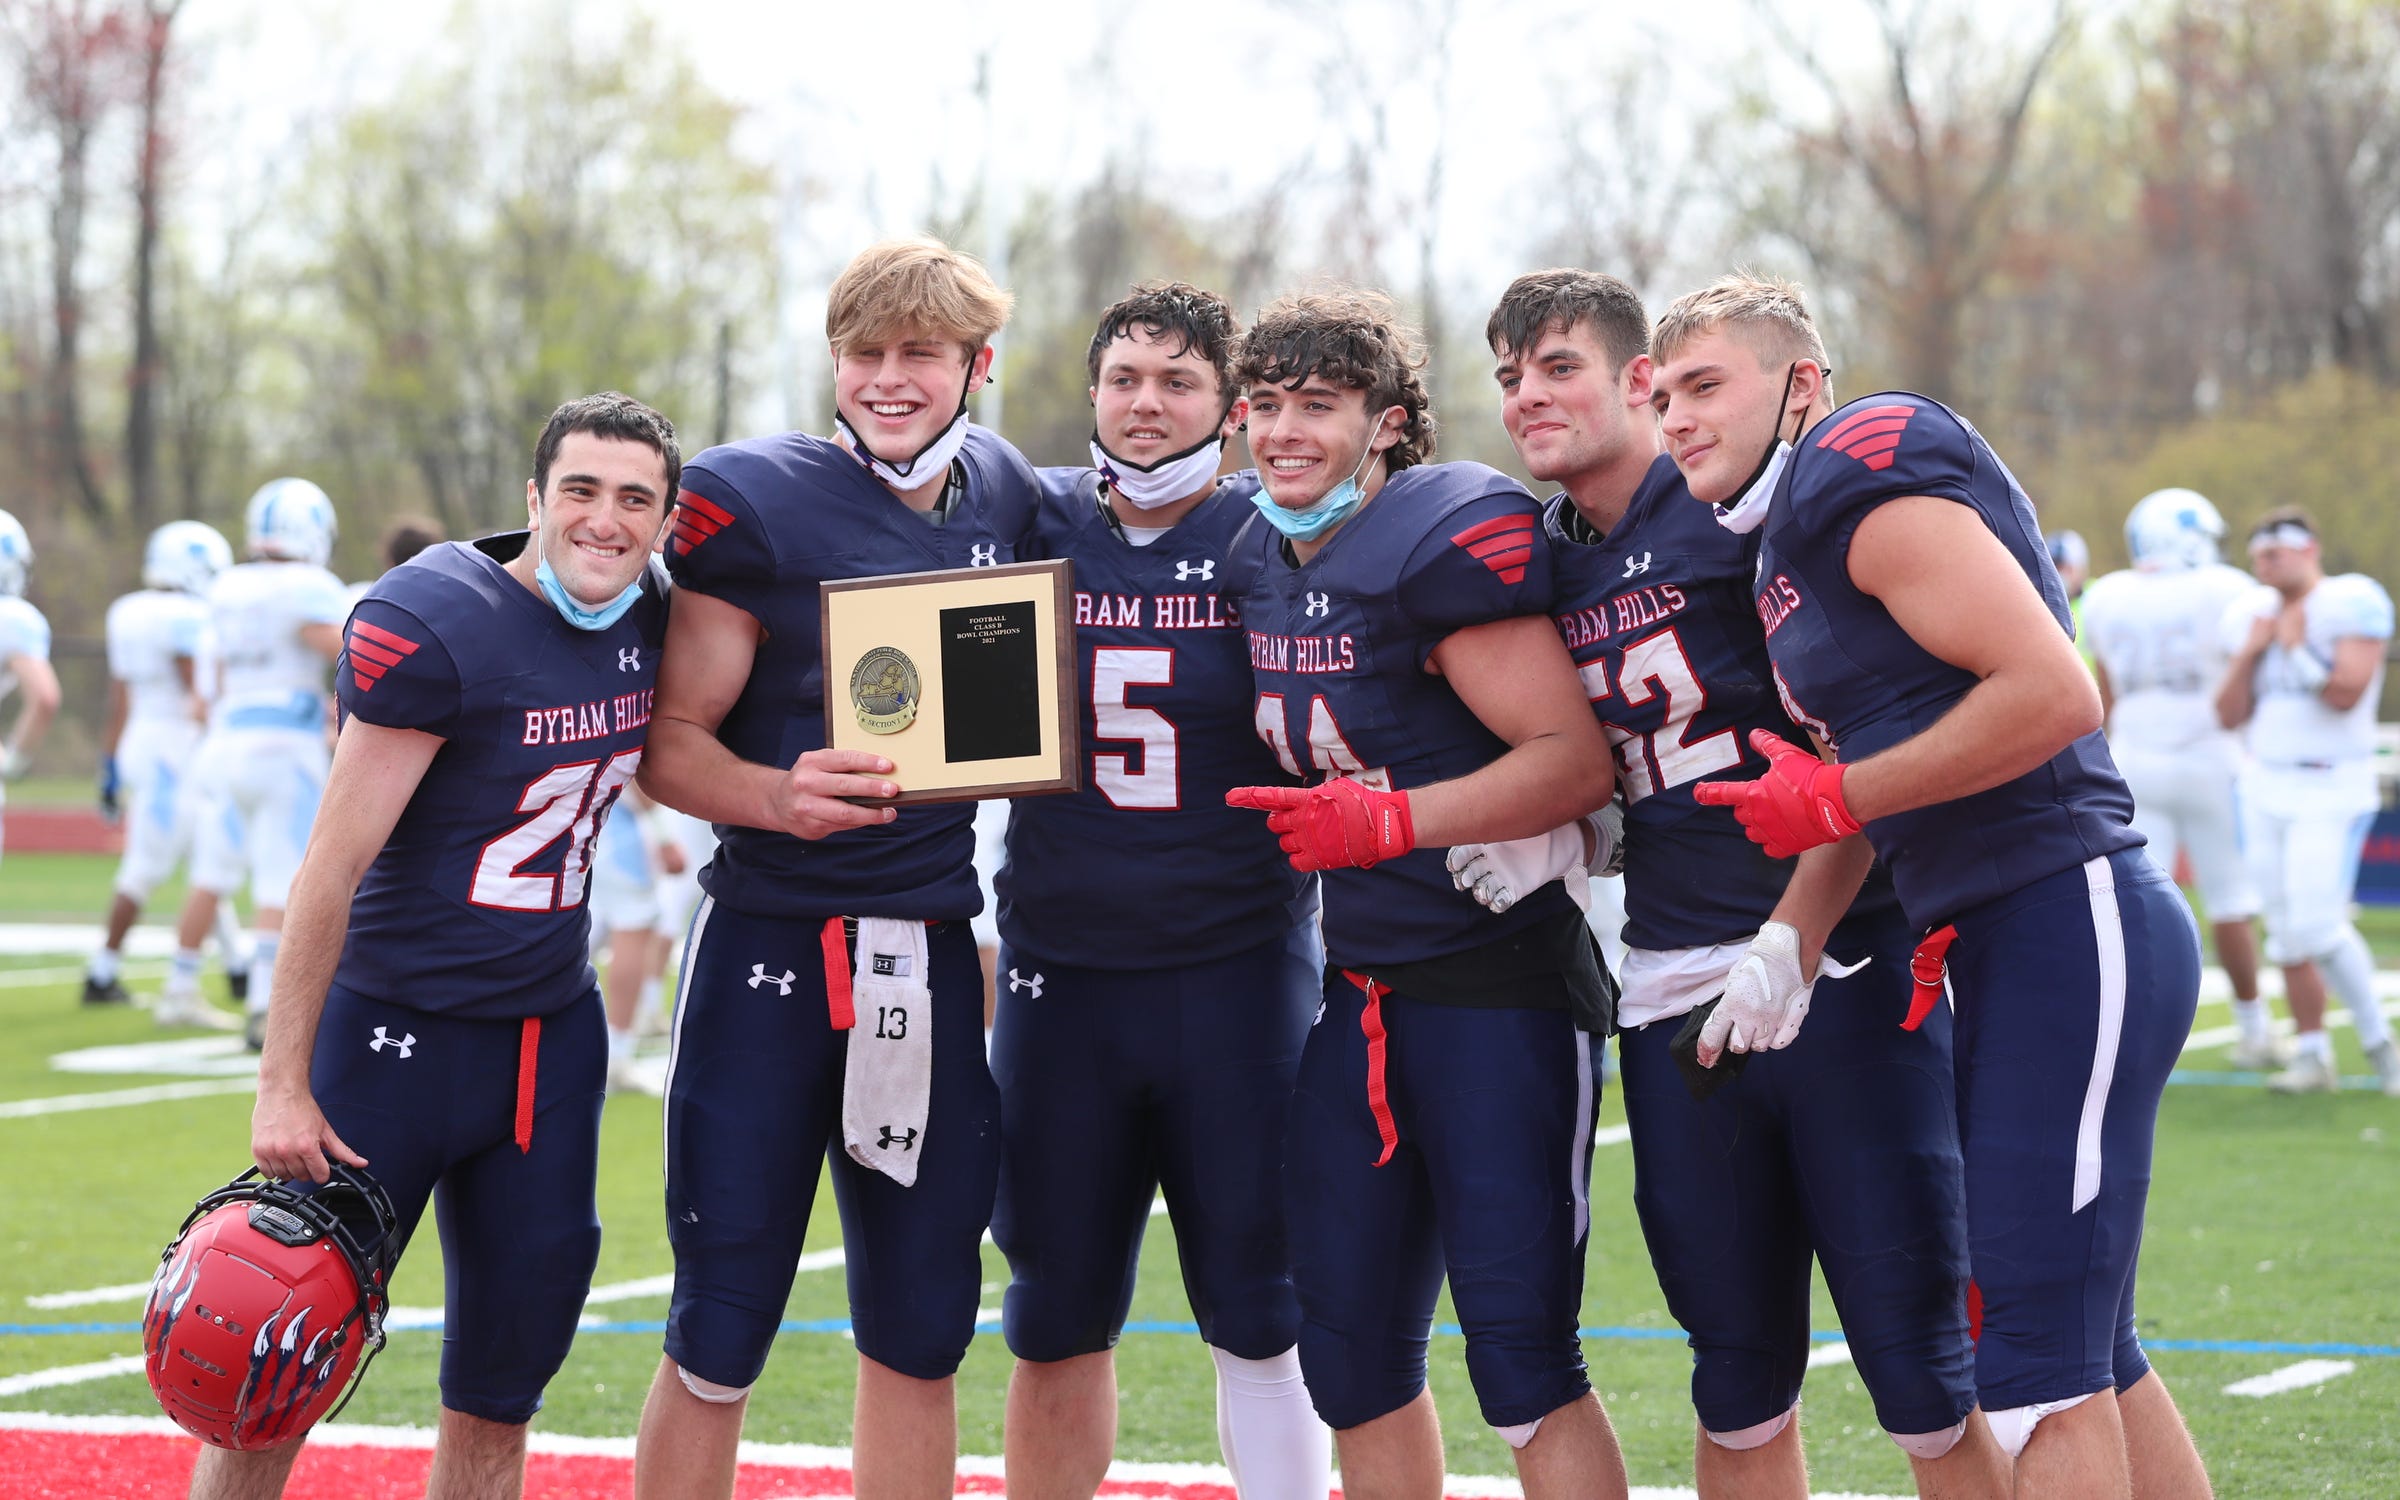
x,y
1021,616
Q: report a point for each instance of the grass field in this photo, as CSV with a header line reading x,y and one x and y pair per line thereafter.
x,y
2270,1242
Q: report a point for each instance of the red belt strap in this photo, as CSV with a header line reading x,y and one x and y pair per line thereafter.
x,y
1928,968
529,1056
1379,1097
837,975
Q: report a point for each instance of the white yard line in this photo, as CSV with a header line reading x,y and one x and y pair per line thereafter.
x,y
2297,1377
1835,1353
157,1093
130,1291
42,1380
2226,1036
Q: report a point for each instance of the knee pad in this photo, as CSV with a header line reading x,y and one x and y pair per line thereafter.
x,y
709,1391
1929,1445
1520,1434
2013,1426
1754,1437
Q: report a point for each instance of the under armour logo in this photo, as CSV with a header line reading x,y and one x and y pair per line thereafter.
x,y
383,1039
1204,570
906,1140
629,659
1034,984
1319,604
1639,564
759,976
984,554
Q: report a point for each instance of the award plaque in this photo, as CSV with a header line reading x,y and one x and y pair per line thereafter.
x,y
963,679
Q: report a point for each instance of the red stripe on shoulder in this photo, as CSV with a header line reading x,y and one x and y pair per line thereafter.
x,y
704,506
1493,527
382,637
1870,435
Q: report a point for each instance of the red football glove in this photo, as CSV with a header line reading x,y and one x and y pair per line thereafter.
x,y
1797,805
1339,825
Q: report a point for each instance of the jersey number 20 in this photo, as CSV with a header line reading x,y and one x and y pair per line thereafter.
x,y
568,800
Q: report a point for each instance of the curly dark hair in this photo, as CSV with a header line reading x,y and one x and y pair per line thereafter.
x,y
1346,337
1173,310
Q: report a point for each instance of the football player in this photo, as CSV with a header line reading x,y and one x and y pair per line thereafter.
x,y
437,1023
635,854
1160,957
2156,635
1843,1146
276,625
24,654
157,641
2306,674
1917,629
1404,662
831,1002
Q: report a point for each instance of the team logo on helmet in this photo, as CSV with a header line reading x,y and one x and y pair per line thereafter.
x,y
268,1306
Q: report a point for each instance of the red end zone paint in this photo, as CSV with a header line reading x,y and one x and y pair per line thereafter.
x,y
61,830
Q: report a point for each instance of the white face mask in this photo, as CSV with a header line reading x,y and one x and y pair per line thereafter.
x,y
1749,512
931,463
1178,476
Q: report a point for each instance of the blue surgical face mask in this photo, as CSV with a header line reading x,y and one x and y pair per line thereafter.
x,y
1307,524
576,613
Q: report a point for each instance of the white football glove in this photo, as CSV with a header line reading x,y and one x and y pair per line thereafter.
x,y
1499,875
1765,997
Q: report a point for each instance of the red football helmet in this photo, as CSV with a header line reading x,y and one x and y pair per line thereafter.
x,y
268,1304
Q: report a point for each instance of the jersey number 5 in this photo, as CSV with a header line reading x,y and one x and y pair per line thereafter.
x,y
1659,667
569,800
1114,669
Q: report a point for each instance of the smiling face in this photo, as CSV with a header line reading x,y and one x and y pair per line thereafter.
x,y
1157,397
1567,410
899,391
1719,404
602,514
1309,439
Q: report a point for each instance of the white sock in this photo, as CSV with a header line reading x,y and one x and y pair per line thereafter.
x,y
620,1045
2350,973
262,970
2314,1044
233,948
103,970
652,999
2250,1019
183,975
1274,1445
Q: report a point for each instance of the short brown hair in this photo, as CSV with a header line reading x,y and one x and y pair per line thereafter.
x,y
1200,322
1539,301
2286,515
409,535
1766,312
914,285
1346,337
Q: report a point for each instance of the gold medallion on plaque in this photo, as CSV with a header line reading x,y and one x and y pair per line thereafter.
x,y
883,689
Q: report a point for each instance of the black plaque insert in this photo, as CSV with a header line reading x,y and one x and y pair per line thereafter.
x,y
991,671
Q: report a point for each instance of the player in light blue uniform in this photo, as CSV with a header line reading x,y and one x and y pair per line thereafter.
x,y
277,625
24,654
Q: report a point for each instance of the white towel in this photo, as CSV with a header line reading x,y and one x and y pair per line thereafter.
x,y
887,1082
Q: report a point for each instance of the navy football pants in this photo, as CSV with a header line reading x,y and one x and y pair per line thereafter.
x,y
1116,1085
1490,1115
754,1108
432,1102
1841,1148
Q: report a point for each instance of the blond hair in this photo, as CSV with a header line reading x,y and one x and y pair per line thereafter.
x,y
914,287
1764,312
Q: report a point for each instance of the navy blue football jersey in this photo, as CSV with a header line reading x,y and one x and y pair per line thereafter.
x,y
1847,670
1658,617
1146,867
475,907
761,524
1338,649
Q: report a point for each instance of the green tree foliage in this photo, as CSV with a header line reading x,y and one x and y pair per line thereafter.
x,y
522,223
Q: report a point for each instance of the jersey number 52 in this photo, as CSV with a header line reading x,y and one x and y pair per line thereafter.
x,y
1658,667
